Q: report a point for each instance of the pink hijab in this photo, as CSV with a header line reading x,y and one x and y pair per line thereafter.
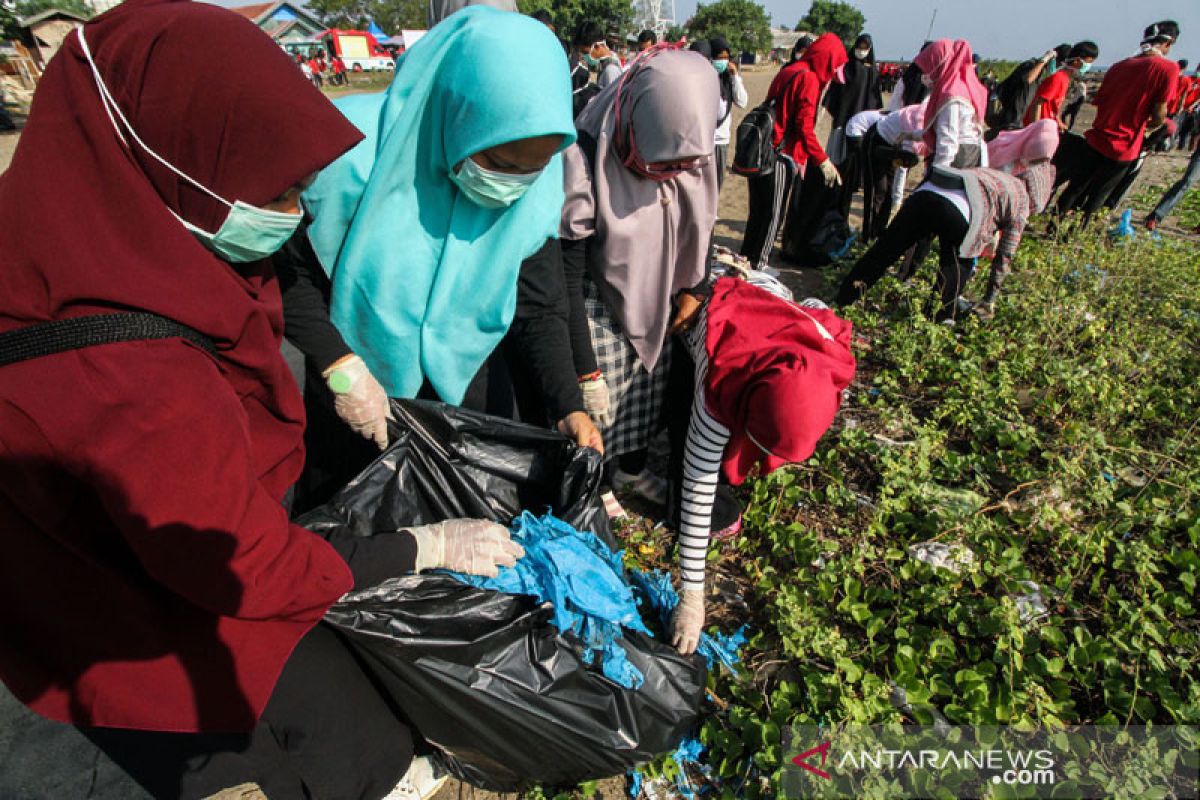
x,y
651,234
950,66
1030,143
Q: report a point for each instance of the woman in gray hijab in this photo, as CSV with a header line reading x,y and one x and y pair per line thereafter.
x,y
641,203
440,9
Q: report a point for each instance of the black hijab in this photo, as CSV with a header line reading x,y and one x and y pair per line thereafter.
x,y
861,91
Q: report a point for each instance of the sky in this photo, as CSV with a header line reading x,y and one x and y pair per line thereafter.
x,y
1008,29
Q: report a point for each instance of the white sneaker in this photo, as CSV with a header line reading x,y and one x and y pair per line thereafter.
x,y
645,483
420,782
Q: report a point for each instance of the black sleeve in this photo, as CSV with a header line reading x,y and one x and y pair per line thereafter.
x,y
541,334
574,258
374,559
306,289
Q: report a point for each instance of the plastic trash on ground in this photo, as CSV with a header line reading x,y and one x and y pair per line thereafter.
x,y
952,557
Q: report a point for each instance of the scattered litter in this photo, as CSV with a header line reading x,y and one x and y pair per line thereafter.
x,y
900,702
1088,271
583,579
952,557
1124,230
1030,606
656,587
1133,476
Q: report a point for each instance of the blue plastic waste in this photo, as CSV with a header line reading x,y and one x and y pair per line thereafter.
x,y
1124,229
583,579
660,593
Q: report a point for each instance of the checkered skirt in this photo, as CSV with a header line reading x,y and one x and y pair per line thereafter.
x,y
635,394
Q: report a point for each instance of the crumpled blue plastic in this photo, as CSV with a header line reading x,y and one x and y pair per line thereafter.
x,y
583,579
1124,229
658,590
594,596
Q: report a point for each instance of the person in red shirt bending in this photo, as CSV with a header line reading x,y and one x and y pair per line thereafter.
x,y
1134,98
1052,92
797,92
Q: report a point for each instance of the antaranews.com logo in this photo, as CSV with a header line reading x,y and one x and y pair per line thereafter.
x,y
964,761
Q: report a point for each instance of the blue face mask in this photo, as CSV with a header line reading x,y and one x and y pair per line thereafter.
x,y
489,188
1084,67
721,64
248,233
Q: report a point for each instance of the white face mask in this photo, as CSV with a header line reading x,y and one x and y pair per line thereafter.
x,y
927,81
861,55
489,188
249,233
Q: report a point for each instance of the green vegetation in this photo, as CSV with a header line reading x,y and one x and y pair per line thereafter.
x,y
744,23
1056,450
836,17
614,16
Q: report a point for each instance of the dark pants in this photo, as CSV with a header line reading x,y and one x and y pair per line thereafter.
x,y
1191,176
1090,177
721,154
326,732
851,170
878,173
767,199
924,214
811,199
1071,112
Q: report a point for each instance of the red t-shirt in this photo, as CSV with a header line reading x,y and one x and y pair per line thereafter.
x,y
1049,98
1130,91
1193,93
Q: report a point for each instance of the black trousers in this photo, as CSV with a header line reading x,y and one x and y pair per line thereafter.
x,y
878,173
851,170
721,156
326,732
1090,177
924,214
767,199
811,199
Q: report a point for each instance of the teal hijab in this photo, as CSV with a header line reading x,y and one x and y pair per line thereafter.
x,y
424,280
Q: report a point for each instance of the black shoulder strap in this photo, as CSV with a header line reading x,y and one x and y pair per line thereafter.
x,y
59,336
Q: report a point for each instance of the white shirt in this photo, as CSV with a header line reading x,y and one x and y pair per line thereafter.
x,y
955,126
861,122
740,99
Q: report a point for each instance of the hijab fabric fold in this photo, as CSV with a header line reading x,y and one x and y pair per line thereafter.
x,y
950,66
424,280
89,223
776,372
651,236
1035,141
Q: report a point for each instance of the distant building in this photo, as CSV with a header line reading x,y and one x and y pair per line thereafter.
x,y
782,42
44,33
281,20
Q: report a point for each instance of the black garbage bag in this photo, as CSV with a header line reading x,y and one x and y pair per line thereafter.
x,y
482,675
447,462
486,678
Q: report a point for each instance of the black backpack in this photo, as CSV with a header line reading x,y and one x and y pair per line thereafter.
x,y
754,153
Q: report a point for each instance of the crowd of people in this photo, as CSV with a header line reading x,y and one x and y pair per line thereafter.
x,y
535,244
318,67
991,158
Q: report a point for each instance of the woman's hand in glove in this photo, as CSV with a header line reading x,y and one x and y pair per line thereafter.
x,y
473,546
359,399
595,400
830,173
688,621
579,426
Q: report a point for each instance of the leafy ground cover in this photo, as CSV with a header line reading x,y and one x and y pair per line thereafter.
x,y
1050,456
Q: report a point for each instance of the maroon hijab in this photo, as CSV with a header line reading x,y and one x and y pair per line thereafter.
x,y
88,226
776,372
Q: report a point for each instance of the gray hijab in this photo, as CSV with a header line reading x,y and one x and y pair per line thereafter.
x,y
651,237
440,9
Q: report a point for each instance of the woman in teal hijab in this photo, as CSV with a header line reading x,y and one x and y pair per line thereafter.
x,y
423,226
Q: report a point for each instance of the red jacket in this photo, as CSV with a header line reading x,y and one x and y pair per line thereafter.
x,y
160,585
797,94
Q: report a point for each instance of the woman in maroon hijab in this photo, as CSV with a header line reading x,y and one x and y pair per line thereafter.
x,y
151,581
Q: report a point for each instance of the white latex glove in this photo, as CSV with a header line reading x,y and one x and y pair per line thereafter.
x,y
473,546
595,400
688,621
359,399
830,173
1049,54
